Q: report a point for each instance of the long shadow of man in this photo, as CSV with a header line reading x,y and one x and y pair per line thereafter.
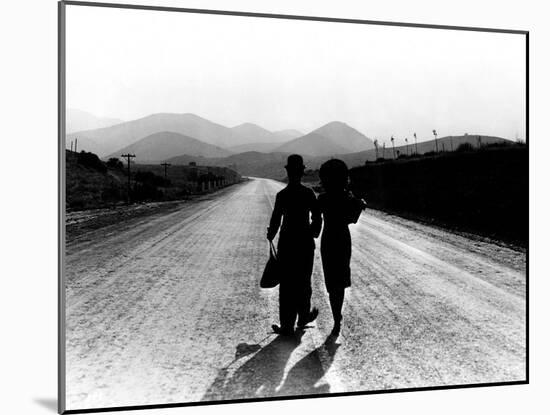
x,y
263,373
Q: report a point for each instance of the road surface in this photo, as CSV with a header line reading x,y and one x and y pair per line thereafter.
x,y
167,309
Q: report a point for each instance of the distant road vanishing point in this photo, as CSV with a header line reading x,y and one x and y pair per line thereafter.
x,y
168,309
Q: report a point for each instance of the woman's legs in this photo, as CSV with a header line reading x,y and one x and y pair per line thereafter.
x,y
336,297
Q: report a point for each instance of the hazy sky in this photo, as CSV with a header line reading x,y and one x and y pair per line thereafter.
x,y
295,74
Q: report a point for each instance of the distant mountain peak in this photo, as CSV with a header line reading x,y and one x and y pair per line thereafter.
x,y
335,123
248,126
331,139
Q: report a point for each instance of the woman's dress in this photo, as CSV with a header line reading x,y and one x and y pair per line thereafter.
x,y
339,210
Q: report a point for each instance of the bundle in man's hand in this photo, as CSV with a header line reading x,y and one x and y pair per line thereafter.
x,y
271,275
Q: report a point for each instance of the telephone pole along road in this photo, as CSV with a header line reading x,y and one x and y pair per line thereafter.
x,y
168,309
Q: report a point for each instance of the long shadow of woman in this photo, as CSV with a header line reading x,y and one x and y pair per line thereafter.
x,y
259,376
263,373
304,375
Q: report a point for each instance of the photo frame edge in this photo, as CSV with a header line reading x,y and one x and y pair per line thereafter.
x,y
61,382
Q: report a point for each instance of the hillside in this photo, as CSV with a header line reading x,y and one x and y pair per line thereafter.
x,y
89,183
251,163
160,146
287,135
444,144
83,143
110,139
252,133
271,165
92,183
483,191
329,140
259,147
78,120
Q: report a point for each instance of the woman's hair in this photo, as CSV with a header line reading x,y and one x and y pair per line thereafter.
x,y
334,175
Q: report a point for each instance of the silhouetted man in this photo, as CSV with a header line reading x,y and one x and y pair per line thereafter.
x,y
296,205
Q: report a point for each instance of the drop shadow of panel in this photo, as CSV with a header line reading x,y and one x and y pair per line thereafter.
x,y
48,403
262,374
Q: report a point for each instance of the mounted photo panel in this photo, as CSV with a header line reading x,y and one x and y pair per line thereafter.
x,y
258,206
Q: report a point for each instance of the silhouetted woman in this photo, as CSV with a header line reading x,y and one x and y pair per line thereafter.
x,y
339,208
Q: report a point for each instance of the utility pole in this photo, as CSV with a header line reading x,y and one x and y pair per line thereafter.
x,y
75,142
128,157
165,165
71,146
393,145
384,151
451,137
415,144
435,135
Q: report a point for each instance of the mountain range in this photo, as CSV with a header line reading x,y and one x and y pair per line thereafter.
x,y
249,148
330,139
111,139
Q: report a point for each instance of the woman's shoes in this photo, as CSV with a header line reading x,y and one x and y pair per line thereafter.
x,y
335,330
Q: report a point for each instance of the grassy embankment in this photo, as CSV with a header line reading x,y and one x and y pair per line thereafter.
x,y
92,183
481,191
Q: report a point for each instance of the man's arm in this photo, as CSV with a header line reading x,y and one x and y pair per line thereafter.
x,y
316,220
276,217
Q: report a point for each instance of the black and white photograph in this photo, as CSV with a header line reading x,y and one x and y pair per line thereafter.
x,y
261,207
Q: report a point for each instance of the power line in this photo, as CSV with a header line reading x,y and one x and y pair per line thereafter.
x,y
128,157
165,165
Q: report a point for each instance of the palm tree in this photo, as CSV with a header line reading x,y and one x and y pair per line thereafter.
x,y
393,145
376,147
435,135
407,144
415,144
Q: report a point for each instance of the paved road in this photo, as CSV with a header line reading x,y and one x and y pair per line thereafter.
x,y
168,309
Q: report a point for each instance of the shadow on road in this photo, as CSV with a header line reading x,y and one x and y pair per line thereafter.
x,y
304,375
261,375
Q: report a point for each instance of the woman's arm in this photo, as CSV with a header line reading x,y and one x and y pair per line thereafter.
x,y
355,207
316,220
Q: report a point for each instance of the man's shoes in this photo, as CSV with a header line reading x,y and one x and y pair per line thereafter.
x,y
311,317
282,331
